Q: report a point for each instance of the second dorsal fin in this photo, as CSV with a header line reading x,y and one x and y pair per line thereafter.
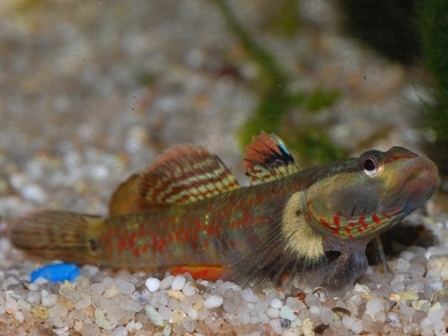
x,y
185,174
267,158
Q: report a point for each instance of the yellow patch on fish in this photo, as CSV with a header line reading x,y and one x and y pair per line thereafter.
x,y
300,237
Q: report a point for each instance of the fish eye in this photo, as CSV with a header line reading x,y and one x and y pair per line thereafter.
x,y
370,166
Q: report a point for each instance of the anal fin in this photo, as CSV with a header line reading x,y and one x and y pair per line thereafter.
x,y
204,272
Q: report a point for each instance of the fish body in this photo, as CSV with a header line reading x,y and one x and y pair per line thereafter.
x,y
205,232
188,210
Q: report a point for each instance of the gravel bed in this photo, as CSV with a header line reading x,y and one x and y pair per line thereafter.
x,y
412,299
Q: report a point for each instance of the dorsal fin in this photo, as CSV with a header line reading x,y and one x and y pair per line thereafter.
x,y
185,174
267,158
127,198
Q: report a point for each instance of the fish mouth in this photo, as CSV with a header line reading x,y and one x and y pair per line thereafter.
x,y
417,182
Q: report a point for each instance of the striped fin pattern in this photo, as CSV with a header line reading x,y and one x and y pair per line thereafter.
x,y
60,235
186,174
267,158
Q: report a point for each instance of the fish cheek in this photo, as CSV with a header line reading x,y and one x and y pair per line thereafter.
x,y
356,200
347,195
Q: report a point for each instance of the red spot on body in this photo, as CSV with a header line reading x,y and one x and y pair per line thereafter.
x,y
176,236
336,220
246,216
193,237
196,226
106,236
154,242
149,230
185,235
212,230
122,244
161,244
173,236
135,252
259,198
132,238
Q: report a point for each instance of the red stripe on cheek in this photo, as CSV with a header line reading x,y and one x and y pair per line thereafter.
x,y
325,223
349,228
364,225
376,219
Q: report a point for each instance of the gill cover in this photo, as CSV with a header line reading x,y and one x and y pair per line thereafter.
x,y
372,193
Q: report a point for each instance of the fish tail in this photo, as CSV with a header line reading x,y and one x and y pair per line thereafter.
x,y
61,235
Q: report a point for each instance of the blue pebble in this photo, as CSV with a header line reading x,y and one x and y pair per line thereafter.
x,y
59,272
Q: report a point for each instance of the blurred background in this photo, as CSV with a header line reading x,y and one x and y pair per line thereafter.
x,y
92,91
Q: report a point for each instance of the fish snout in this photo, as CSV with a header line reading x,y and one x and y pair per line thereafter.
x,y
426,173
420,182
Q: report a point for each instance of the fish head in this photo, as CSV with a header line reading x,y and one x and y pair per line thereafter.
x,y
364,196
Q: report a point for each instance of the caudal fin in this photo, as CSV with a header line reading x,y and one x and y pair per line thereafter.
x,y
61,235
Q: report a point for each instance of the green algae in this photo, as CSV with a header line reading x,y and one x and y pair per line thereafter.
x,y
285,21
276,101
